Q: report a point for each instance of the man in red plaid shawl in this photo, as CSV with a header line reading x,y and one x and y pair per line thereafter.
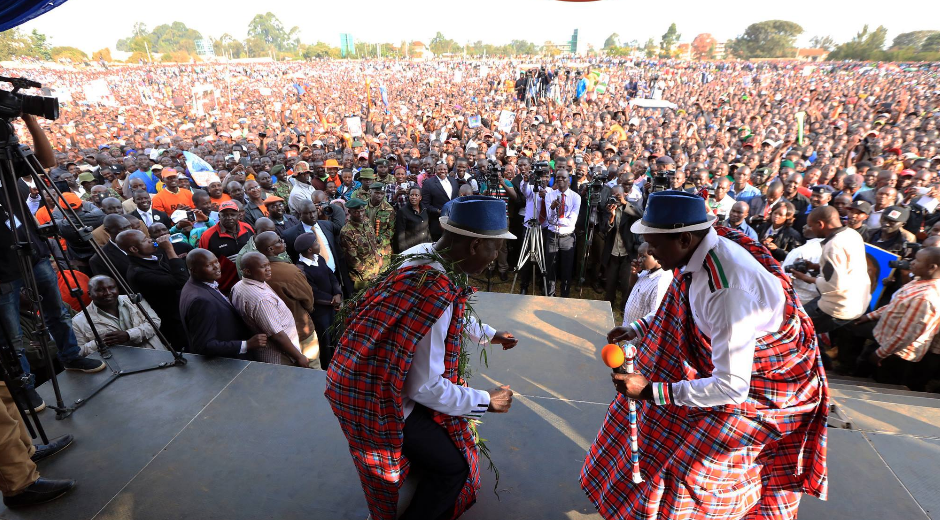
x,y
393,382
733,397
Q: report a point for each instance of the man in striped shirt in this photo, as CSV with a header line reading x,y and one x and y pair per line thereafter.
x,y
266,313
905,327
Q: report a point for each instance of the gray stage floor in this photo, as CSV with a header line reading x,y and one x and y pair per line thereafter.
x,y
228,439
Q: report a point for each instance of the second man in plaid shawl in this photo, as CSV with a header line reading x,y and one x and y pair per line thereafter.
x,y
733,419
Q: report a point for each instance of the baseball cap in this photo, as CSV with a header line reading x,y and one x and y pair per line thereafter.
x,y
331,163
363,155
896,214
861,205
86,177
170,172
229,204
271,199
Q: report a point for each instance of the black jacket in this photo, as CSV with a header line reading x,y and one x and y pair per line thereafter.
x,y
212,325
411,228
433,198
786,239
118,258
158,216
160,282
89,215
252,213
322,281
331,231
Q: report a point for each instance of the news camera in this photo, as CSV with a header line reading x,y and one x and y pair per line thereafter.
x,y
14,104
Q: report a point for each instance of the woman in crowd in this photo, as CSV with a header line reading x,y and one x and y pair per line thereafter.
x,y
411,223
778,233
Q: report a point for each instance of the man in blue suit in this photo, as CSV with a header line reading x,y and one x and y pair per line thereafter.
x,y
212,325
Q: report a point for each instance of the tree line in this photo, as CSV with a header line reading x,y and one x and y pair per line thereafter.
x,y
267,36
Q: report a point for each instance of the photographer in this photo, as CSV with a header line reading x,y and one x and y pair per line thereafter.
x,y
534,186
56,316
843,282
499,187
560,207
904,329
620,244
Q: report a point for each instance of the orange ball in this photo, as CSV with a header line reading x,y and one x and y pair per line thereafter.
x,y
612,355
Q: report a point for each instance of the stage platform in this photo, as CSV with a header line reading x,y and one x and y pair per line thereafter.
x,y
231,440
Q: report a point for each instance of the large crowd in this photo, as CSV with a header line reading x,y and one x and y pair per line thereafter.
x,y
284,188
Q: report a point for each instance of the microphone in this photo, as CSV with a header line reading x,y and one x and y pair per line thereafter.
x,y
614,357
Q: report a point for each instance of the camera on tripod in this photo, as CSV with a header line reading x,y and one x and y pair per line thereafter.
x,y
660,181
14,104
494,169
539,168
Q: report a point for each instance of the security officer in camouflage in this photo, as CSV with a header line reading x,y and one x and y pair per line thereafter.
x,y
381,215
360,245
366,177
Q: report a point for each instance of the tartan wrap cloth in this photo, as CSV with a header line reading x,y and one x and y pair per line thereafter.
x,y
735,461
367,373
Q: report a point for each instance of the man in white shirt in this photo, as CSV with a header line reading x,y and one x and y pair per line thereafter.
x,y
394,382
726,358
560,210
302,189
651,284
533,203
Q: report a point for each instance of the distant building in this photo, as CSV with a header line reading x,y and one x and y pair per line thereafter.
x,y
812,54
419,51
719,50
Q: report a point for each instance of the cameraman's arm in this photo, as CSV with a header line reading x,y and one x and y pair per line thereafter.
x,y
41,147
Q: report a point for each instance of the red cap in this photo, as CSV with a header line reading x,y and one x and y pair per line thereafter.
x,y
229,204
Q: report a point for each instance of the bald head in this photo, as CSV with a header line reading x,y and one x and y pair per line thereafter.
x,y
114,224
263,241
255,266
264,224
825,214
197,257
775,189
111,206
129,241
96,280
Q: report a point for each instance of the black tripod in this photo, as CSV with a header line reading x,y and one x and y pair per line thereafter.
x,y
16,162
593,198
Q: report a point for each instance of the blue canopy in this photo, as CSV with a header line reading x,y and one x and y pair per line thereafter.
x,y
16,12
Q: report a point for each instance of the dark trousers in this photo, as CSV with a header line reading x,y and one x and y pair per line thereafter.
x,y
618,277
428,447
559,260
822,322
893,370
322,316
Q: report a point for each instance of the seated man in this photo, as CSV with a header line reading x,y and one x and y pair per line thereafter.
x,y
212,324
117,320
265,313
905,327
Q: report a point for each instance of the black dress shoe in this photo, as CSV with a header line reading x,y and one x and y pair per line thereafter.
x,y
504,276
86,365
39,492
44,451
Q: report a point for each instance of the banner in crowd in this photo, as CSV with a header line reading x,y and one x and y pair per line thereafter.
x,y
97,91
474,122
200,171
354,126
878,270
506,119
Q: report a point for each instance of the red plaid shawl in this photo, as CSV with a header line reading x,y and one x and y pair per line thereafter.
x,y
719,462
365,379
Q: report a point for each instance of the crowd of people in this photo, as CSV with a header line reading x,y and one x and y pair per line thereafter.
x,y
246,202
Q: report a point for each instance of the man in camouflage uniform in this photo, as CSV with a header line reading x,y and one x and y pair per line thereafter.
x,y
381,215
383,175
360,245
366,177
282,187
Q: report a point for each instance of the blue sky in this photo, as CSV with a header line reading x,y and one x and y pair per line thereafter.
x,y
93,24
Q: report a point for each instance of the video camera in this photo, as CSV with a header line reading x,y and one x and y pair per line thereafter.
x,y
539,168
909,252
800,266
661,180
14,104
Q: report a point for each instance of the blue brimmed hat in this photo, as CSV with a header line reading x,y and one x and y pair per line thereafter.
x,y
477,216
673,212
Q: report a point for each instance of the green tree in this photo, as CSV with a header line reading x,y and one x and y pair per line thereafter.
x,y
822,42
441,45
164,38
913,39
14,43
931,43
865,46
669,40
767,39
40,45
76,55
612,41
269,29
320,50
650,48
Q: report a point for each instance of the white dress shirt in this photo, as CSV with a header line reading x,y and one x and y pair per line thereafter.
x,y
424,382
448,189
321,237
531,204
562,222
748,303
810,251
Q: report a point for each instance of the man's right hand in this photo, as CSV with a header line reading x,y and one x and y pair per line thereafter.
x,y
618,334
257,341
500,399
